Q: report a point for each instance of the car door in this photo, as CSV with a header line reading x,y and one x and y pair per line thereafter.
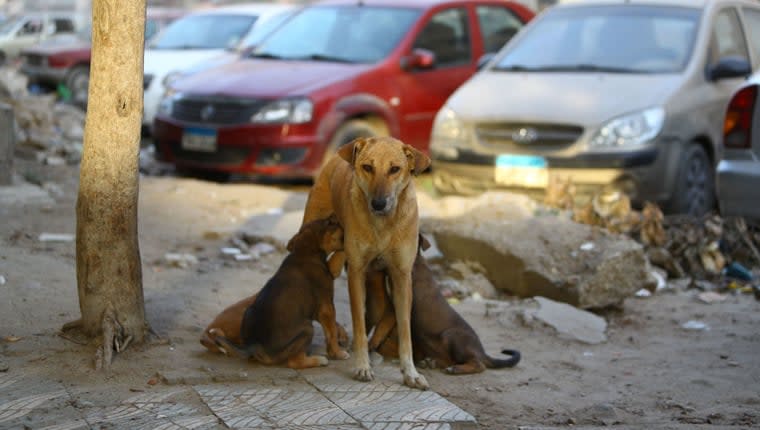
x,y
447,34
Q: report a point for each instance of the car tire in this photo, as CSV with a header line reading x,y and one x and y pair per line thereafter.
x,y
78,82
694,191
349,131
2,58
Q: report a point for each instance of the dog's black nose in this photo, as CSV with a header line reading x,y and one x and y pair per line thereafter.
x,y
378,204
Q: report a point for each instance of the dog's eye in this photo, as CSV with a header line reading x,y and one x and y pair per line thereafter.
x,y
394,169
367,168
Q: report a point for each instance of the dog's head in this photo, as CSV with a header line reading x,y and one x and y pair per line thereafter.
x,y
383,167
327,233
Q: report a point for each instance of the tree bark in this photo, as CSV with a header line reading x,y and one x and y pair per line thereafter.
x,y
109,272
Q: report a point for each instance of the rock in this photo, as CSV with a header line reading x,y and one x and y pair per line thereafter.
x,y
503,205
543,256
275,228
601,413
180,260
56,237
2,280
569,321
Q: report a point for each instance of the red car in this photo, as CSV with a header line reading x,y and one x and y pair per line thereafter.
x,y
335,71
66,59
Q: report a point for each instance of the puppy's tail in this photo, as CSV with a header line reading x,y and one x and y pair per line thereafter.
x,y
498,363
227,347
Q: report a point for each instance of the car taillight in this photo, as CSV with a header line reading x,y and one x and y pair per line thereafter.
x,y
737,127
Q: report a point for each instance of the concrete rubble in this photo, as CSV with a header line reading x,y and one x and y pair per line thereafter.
x,y
568,321
46,130
546,255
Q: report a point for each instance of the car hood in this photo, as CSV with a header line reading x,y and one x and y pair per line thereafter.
x,y
59,45
268,78
160,62
587,99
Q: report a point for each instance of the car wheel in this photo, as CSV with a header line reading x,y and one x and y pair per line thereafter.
x,y
2,58
349,131
694,192
78,82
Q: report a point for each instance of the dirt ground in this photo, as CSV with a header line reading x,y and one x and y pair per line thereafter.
x,y
651,372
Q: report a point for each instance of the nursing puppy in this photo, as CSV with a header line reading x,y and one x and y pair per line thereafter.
x,y
368,185
277,326
440,336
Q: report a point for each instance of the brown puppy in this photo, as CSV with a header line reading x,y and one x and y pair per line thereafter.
x,y
439,334
368,185
277,326
228,323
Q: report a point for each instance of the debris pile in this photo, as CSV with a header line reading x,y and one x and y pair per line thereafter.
x,y
708,248
46,130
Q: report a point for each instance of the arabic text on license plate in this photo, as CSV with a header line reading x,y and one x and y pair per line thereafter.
x,y
521,171
199,139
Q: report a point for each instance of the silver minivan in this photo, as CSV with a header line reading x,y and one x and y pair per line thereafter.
x,y
622,93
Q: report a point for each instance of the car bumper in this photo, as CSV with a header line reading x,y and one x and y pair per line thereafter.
x,y
738,188
47,75
259,150
640,173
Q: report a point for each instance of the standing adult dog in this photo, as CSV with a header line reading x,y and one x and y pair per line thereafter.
x,y
368,185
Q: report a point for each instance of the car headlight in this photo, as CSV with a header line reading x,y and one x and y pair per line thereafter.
x,y
630,129
170,78
166,105
449,133
285,111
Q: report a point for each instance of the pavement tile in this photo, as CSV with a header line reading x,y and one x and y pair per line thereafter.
x,y
339,378
258,407
412,406
42,418
408,426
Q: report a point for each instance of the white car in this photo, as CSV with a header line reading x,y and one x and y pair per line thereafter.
x,y
205,35
27,30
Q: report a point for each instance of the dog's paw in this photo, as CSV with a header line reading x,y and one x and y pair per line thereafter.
x,y
416,381
363,374
322,360
340,354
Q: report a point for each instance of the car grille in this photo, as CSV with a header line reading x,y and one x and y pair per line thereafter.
x,y
524,135
216,110
35,60
224,155
147,79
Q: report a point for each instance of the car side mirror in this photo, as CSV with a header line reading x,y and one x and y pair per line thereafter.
x,y
418,59
729,67
485,59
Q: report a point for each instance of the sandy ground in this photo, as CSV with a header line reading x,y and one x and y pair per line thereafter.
x,y
651,373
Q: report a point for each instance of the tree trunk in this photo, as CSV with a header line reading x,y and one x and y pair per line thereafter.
x,y
109,272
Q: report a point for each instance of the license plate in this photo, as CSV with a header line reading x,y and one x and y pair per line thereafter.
x,y
521,171
199,139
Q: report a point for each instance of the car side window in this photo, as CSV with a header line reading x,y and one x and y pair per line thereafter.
x,y
727,37
497,26
447,35
63,25
33,26
752,19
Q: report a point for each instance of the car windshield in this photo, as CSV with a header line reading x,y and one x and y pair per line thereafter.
x,y
263,28
623,39
349,34
212,31
6,27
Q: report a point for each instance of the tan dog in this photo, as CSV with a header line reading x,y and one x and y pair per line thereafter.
x,y
368,185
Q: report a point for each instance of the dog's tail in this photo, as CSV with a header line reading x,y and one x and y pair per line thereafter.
x,y
498,363
230,348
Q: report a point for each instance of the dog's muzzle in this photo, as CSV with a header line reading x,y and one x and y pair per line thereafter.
x,y
380,206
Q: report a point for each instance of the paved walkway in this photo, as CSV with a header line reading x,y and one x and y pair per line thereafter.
x,y
268,398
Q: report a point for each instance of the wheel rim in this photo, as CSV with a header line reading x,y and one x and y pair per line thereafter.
x,y
696,185
79,88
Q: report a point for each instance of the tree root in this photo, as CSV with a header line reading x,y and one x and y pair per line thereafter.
x,y
113,339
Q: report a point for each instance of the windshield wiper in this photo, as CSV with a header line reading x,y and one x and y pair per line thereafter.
x,y
265,55
569,68
323,57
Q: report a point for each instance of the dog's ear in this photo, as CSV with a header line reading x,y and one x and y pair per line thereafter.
x,y
424,244
291,243
419,161
348,151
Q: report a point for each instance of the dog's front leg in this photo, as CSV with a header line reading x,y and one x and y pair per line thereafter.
x,y
357,293
402,303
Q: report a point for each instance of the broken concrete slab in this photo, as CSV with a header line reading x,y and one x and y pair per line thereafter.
x,y
24,193
548,256
570,322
